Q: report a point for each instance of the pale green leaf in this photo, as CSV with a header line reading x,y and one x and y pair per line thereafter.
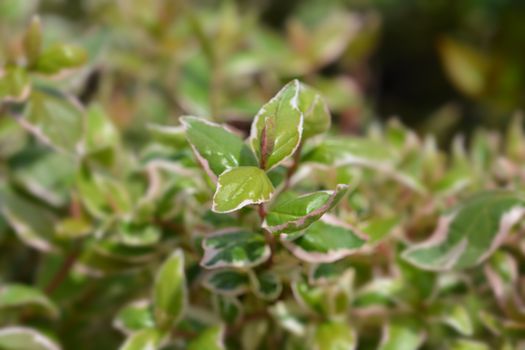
x,y
234,248
335,336
23,338
146,339
239,187
18,295
210,339
170,291
317,118
15,85
402,335
470,233
292,213
60,57
217,148
277,128
457,317
134,317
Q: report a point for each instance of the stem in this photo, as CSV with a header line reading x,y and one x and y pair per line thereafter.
x,y
63,272
292,169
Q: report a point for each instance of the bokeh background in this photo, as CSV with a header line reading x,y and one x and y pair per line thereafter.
x,y
441,66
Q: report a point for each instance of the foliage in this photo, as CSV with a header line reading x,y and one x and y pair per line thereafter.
x,y
230,233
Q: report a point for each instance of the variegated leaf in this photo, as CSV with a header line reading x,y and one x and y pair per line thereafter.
x,y
470,233
210,339
234,248
24,338
291,213
227,282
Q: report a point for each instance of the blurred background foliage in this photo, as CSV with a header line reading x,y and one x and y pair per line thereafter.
x,y
440,66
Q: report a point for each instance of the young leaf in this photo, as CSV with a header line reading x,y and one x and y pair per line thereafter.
x,y
278,126
18,338
210,339
33,40
17,295
470,233
239,187
334,335
325,241
238,248
291,213
317,118
227,282
217,148
146,339
457,317
170,295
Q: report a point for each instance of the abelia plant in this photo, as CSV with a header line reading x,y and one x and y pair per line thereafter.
x,y
291,237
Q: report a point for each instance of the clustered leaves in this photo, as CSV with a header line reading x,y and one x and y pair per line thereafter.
x,y
291,237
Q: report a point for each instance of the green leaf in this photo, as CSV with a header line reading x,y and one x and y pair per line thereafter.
x,y
60,57
146,339
217,148
101,136
15,85
325,241
32,222
470,233
56,119
266,285
134,317
18,295
457,317
227,282
317,118
239,187
230,308
234,248
278,126
379,228
335,336
402,335
466,344
210,339
291,213
170,292
23,338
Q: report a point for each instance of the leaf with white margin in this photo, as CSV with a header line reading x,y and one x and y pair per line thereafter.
x,y
227,282
18,338
209,339
170,291
134,317
217,148
278,126
266,285
316,115
402,335
325,241
18,295
334,335
50,113
32,222
457,317
229,308
470,233
146,339
234,248
291,213
239,187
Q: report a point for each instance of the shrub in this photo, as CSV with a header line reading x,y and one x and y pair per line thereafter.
x,y
294,238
